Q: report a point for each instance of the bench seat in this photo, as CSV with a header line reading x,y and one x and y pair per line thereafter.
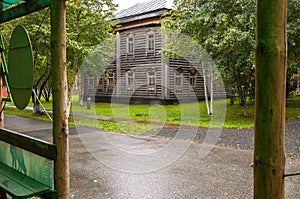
x,y
19,185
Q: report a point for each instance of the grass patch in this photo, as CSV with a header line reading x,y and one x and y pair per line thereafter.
x,y
188,114
127,128
293,107
26,113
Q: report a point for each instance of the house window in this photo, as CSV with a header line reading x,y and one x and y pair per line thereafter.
x,y
151,80
150,43
90,82
110,82
193,78
178,77
130,79
130,44
100,84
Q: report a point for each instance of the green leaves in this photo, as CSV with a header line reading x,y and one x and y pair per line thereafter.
x,y
88,25
226,29
99,58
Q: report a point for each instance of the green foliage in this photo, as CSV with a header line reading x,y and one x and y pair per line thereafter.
x,y
170,113
293,31
226,29
88,24
127,128
99,59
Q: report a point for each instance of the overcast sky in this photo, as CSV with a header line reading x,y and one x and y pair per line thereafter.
x,y
123,4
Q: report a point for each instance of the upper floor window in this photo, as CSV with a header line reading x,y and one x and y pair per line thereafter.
x,y
130,44
150,45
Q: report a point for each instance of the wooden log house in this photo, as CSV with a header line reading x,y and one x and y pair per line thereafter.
x,y
137,73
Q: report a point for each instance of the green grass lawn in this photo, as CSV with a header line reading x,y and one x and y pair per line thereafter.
x,y
189,114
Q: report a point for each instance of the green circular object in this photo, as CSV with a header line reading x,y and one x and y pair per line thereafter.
x,y
20,67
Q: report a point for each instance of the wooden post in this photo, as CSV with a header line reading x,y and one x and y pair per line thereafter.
x,y
1,100
1,84
270,93
60,94
2,193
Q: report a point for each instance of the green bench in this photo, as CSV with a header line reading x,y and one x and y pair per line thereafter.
x,y
26,166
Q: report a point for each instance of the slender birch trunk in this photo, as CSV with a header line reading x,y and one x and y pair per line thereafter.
x,y
205,88
211,90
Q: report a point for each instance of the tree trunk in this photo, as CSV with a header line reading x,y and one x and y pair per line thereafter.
x,y
205,88
211,90
271,63
60,97
298,82
244,102
245,110
81,90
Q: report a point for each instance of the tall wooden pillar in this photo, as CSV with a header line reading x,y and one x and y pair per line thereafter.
x,y
270,95
1,84
60,94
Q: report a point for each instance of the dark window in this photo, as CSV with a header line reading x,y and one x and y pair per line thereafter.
x,y
130,79
91,83
151,80
110,82
101,84
150,46
130,44
150,42
193,78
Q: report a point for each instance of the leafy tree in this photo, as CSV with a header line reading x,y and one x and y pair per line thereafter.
x,y
182,46
37,25
293,31
226,29
96,61
88,24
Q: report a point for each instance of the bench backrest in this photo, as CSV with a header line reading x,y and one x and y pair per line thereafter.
x,y
28,155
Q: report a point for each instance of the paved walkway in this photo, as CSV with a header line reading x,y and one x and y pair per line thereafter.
x,y
118,166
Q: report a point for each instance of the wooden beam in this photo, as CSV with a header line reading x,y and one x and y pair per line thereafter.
x,y
23,9
30,144
270,98
60,98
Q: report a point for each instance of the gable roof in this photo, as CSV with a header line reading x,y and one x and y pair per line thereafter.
x,y
144,8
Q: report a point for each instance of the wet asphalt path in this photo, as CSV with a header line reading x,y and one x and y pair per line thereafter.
x,y
112,165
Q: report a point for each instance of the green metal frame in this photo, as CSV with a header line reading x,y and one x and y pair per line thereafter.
x,y
21,9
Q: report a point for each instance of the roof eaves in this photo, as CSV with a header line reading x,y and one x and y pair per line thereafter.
x,y
156,13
